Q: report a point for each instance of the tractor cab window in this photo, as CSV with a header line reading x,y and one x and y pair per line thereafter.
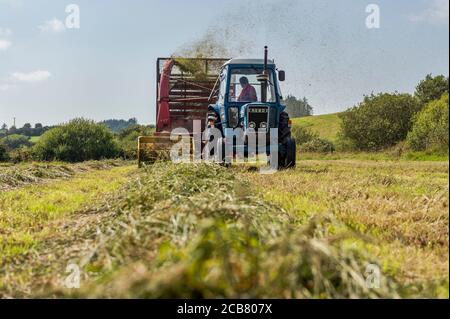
x,y
244,86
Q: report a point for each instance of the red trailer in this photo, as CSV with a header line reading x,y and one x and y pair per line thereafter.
x,y
183,92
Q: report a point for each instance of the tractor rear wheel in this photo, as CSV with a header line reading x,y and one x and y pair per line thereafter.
x,y
288,155
291,153
284,131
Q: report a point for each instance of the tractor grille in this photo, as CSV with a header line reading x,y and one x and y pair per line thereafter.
x,y
258,117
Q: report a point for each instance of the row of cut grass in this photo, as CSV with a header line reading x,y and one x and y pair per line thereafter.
x,y
18,175
32,215
402,206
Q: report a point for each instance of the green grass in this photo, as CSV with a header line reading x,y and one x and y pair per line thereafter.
x,y
326,126
402,206
204,231
30,215
34,139
32,207
376,156
18,175
189,231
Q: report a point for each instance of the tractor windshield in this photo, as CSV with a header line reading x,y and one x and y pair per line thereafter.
x,y
244,86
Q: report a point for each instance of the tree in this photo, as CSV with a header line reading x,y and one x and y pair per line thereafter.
x,y
379,121
15,141
77,141
3,130
431,88
27,129
297,107
119,125
431,126
12,130
38,129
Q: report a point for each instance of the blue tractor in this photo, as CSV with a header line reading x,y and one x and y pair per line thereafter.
x,y
248,96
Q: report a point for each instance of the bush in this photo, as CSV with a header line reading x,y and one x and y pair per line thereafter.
x,y
3,153
15,141
303,135
21,154
430,130
431,88
318,145
128,140
77,141
380,121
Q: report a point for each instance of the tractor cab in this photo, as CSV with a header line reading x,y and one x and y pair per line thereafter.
x,y
248,99
240,90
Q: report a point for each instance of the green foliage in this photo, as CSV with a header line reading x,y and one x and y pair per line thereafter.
x,y
128,139
21,154
431,88
297,107
303,135
310,141
3,153
15,141
379,121
77,141
318,145
431,127
26,130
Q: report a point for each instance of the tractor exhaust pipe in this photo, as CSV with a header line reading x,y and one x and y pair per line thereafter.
x,y
264,77
266,54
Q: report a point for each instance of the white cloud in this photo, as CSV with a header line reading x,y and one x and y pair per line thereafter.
x,y
437,13
4,45
53,26
31,77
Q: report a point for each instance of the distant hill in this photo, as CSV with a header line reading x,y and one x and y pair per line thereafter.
x,y
327,126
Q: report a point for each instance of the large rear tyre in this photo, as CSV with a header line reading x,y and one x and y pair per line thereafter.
x,y
284,131
291,153
287,158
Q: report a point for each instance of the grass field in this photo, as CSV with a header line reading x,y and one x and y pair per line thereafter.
x,y
34,139
402,208
326,126
205,231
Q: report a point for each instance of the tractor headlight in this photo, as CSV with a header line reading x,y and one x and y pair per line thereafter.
x,y
233,117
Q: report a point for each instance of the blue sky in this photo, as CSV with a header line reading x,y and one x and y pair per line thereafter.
x,y
105,69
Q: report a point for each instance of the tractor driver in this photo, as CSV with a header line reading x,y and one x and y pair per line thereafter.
x,y
248,93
